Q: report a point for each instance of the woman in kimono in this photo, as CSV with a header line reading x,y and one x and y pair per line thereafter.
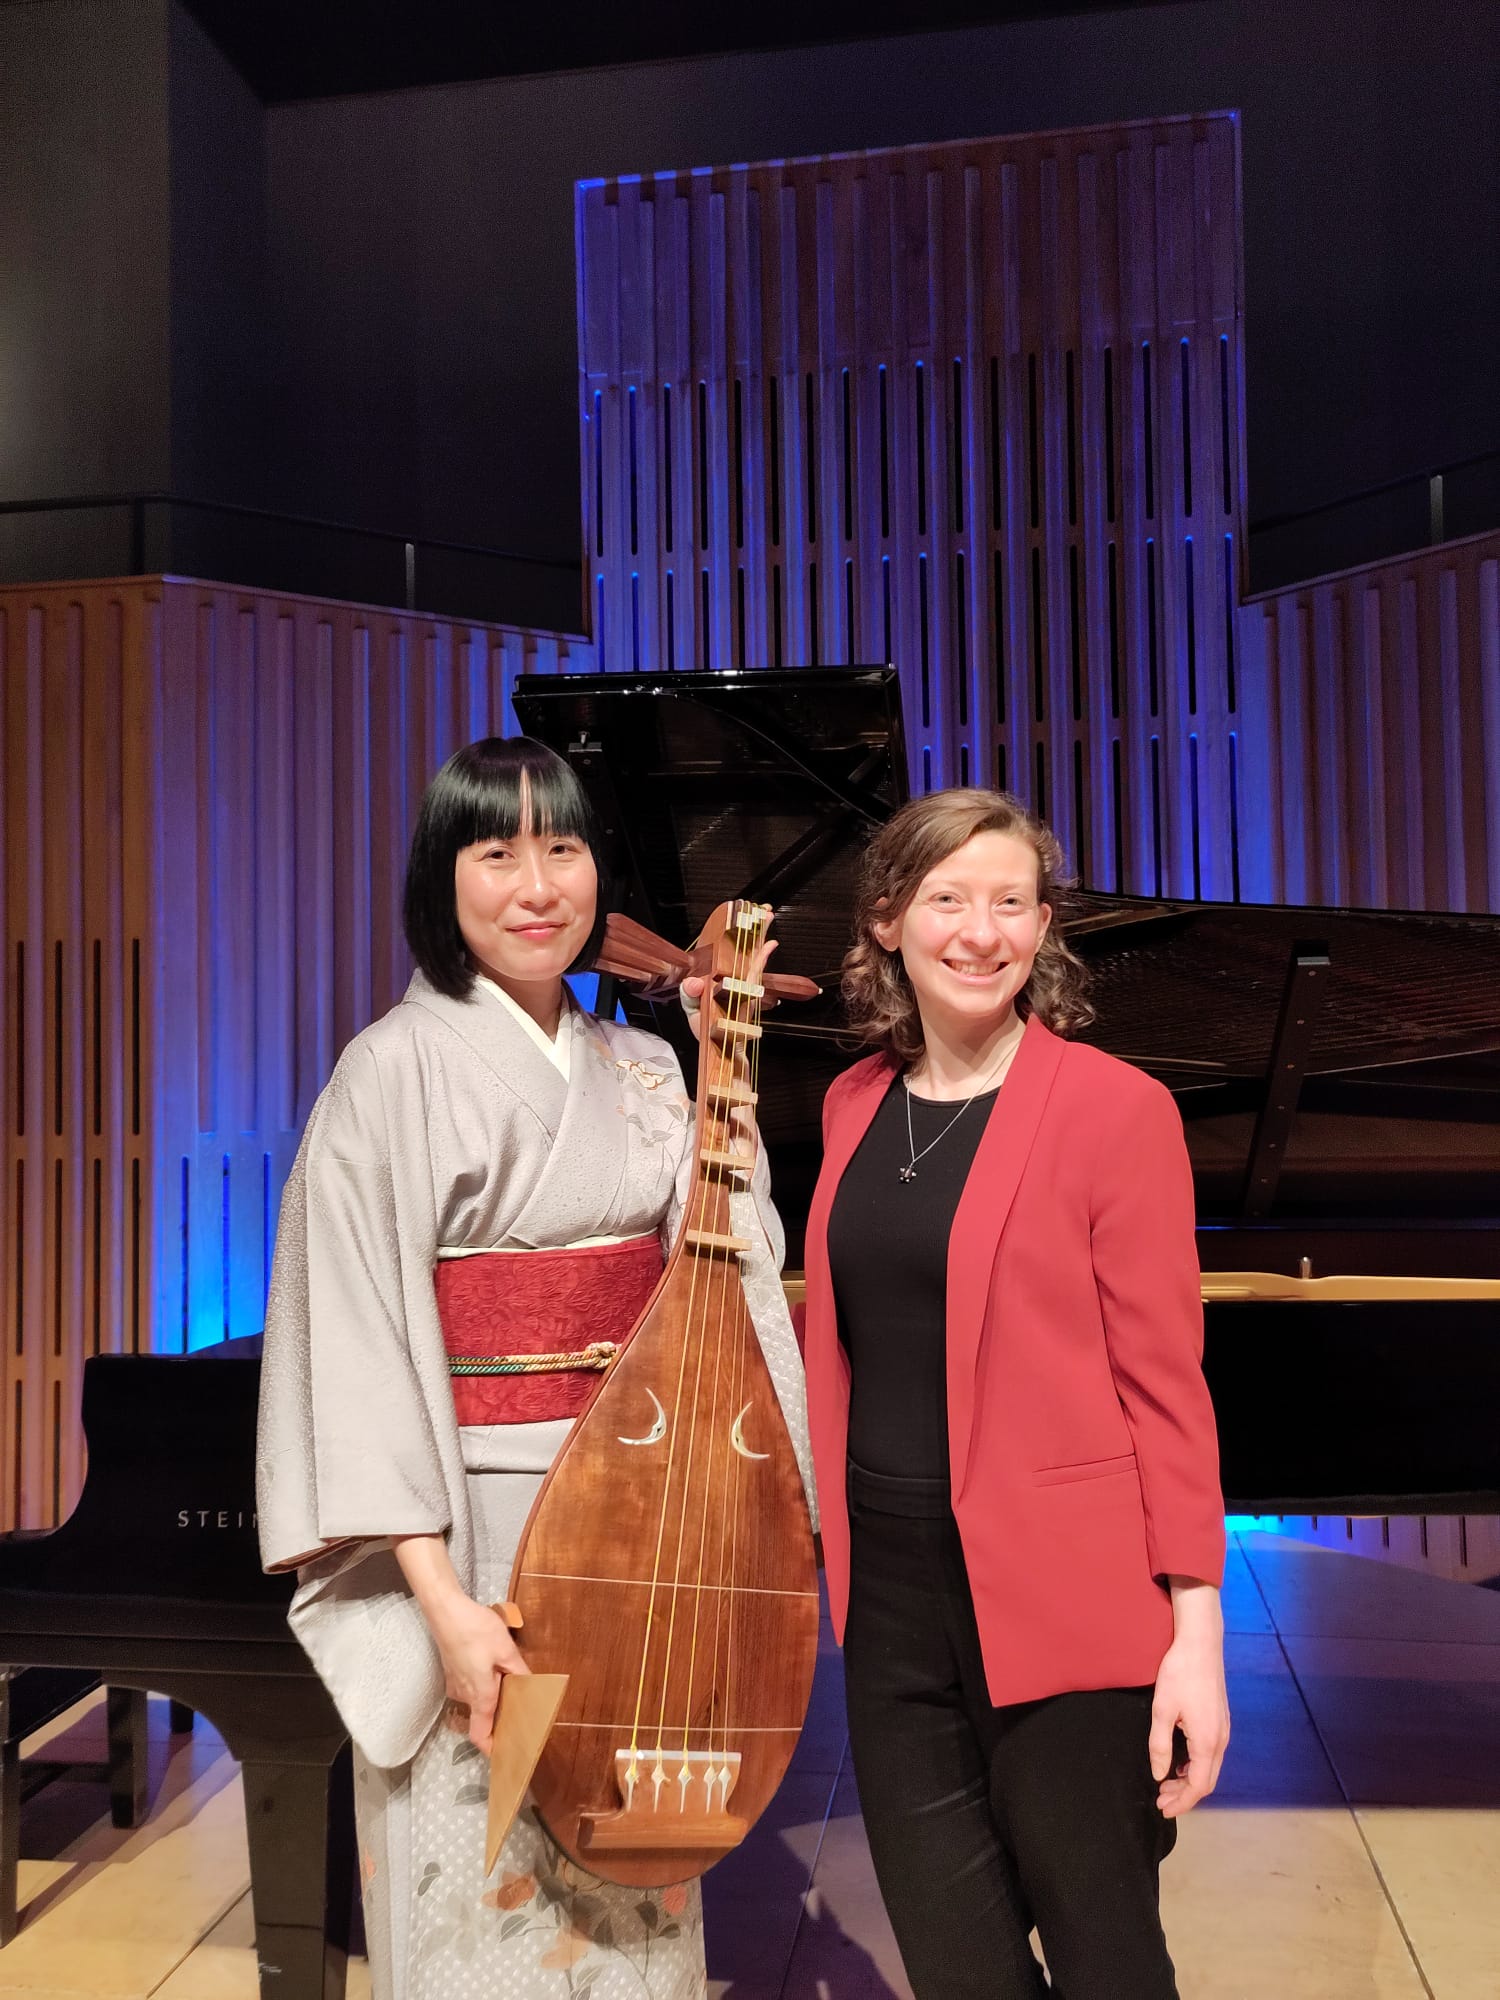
x,y
491,1174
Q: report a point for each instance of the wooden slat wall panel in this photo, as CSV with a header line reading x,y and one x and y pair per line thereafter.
x,y
971,408
76,667
1464,1548
208,793
1372,707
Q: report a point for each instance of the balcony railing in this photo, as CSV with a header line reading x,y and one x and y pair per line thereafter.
x,y
1439,504
136,534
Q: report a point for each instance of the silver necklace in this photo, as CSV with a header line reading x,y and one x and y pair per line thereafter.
x,y
909,1171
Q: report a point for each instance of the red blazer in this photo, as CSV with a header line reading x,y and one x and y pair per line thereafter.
x,y
1083,1452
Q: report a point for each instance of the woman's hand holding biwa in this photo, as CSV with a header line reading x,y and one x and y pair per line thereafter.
x,y
476,1650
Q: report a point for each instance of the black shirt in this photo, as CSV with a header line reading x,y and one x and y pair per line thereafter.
x,y
888,1257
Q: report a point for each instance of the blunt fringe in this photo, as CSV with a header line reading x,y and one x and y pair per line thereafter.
x,y
485,792
878,998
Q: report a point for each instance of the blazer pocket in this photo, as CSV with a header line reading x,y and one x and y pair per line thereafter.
x,y
1090,1468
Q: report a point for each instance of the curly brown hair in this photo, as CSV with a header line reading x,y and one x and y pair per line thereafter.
x,y
878,997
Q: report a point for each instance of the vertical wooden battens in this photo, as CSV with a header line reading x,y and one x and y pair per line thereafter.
x,y
1372,706
208,794
975,406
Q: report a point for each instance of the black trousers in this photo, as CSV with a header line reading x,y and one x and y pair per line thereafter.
x,y
984,1821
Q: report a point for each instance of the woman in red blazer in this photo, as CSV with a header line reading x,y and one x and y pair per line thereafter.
x,y
1016,1454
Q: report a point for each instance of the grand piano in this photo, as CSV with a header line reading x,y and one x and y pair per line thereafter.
x,y
1338,1071
154,1583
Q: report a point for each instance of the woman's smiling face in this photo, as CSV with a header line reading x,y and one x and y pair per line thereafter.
x,y
526,905
970,935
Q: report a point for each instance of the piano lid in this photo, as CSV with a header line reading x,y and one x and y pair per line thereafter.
x,y
761,784
1380,1030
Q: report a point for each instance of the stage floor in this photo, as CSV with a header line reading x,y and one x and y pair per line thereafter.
x,y
1352,1851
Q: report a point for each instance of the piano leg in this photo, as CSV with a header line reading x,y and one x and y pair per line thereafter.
x,y
29,1698
302,1909
299,1815
10,1817
125,1714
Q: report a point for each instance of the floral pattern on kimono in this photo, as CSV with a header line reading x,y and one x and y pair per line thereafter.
x,y
565,1922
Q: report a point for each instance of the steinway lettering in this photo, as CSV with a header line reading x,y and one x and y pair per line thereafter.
x,y
215,1517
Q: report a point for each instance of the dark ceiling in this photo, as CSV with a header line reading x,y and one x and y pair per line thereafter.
x,y
288,49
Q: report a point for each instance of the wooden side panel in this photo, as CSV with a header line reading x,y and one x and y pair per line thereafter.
x,y
1463,1548
1373,709
971,408
208,794
306,731
79,666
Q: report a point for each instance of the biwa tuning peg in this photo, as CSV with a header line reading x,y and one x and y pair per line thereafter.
x,y
632,953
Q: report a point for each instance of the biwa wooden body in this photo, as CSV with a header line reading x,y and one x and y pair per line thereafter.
x,y
668,1565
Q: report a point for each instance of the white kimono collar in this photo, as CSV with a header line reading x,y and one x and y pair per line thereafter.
x,y
558,1051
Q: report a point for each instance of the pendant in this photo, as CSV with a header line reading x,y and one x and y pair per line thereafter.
x,y
909,1173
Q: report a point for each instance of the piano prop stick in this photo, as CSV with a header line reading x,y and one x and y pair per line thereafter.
x,y
528,1708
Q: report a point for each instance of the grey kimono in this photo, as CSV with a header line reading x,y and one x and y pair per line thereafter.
x,y
452,1127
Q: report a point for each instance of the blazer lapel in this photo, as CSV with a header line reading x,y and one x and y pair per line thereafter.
x,y
980,1218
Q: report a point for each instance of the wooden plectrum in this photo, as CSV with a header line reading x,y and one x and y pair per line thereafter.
x,y
523,1722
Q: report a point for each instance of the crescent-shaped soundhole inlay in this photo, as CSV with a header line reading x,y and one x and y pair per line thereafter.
x,y
737,1437
659,1429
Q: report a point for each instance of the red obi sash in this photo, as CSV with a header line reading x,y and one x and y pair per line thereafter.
x,y
570,1309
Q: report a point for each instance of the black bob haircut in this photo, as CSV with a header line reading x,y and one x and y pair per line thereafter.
x,y
480,794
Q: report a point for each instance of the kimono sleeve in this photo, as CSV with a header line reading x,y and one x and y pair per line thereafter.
x,y
347,1450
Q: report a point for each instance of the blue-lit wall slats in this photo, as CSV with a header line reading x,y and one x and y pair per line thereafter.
x,y
208,794
1464,1548
975,408
979,409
